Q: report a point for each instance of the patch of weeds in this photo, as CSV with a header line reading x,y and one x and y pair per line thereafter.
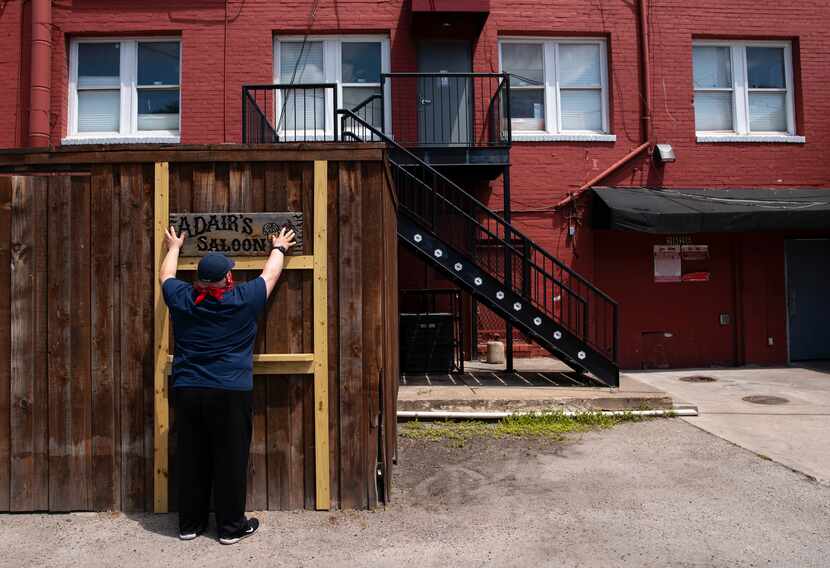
x,y
456,432
551,425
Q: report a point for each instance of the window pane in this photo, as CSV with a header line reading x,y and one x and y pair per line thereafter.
x,y
158,110
99,64
99,111
361,62
524,62
303,109
301,62
713,67
766,67
713,112
581,110
579,65
528,105
767,112
158,63
370,111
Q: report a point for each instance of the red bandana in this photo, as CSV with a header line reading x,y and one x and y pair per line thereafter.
x,y
214,291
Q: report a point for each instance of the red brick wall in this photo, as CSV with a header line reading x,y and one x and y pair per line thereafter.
x,y
217,58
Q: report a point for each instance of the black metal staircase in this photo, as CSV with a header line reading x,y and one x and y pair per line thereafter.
x,y
477,248
499,265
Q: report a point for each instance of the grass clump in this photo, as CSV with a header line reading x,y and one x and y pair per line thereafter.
x,y
551,425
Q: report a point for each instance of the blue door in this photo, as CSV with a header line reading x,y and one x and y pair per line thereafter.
x,y
808,298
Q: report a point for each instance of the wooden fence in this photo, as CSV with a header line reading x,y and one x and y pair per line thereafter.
x,y
77,354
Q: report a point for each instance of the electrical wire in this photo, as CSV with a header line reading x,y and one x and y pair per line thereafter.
x,y
312,16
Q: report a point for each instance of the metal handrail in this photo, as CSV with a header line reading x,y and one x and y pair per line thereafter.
x,y
269,94
515,232
512,234
482,121
441,74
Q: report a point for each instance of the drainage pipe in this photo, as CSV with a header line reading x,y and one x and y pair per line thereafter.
x,y
40,77
645,71
611,169
473,415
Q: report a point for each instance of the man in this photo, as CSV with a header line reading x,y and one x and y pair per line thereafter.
x,y
214,327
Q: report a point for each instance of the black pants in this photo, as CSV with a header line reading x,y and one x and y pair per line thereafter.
x,y
213,439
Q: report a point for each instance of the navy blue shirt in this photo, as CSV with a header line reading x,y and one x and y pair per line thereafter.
x,y
214,340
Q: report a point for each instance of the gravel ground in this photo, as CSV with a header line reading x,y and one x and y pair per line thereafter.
x,y
658,493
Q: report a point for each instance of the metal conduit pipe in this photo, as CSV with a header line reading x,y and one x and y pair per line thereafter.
x,y
645,65
473,415
40,77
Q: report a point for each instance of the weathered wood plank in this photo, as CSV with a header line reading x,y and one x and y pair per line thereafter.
x,y
147,277
23,329
296,383
276,341
352,397
372,203
80,333
132,331
220,187
204,182
252,198
148,153
5,341
105,486
181,190
391,370
28,415
61,479
40,402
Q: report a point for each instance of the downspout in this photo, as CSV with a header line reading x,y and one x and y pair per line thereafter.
x,y
40,79
645,65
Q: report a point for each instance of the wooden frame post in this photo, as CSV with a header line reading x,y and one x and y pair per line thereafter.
x,y
161,340
316,364
321,351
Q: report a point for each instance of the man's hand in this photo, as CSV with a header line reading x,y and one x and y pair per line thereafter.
x,y
172,241
171,259
273,267
284,239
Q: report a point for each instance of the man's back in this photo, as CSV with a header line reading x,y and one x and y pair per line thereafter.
x,y
214,338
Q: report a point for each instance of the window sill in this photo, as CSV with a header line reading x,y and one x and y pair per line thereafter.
x,y
750,138
545,137
161,139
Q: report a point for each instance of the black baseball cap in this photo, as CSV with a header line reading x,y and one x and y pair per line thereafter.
x,y
214,266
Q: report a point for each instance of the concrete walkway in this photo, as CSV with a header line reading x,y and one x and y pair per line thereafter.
x,y
795,433
469,397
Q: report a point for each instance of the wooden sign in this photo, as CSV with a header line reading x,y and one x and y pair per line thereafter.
x,y
235,234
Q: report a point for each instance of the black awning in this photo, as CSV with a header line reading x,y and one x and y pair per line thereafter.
x,y
667,211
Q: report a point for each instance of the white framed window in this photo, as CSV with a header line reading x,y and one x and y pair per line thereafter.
x,y
353,62
558,88
743,91
124,90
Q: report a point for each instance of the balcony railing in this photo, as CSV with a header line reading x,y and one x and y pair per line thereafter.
x,y
428,110
449,109
289,113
